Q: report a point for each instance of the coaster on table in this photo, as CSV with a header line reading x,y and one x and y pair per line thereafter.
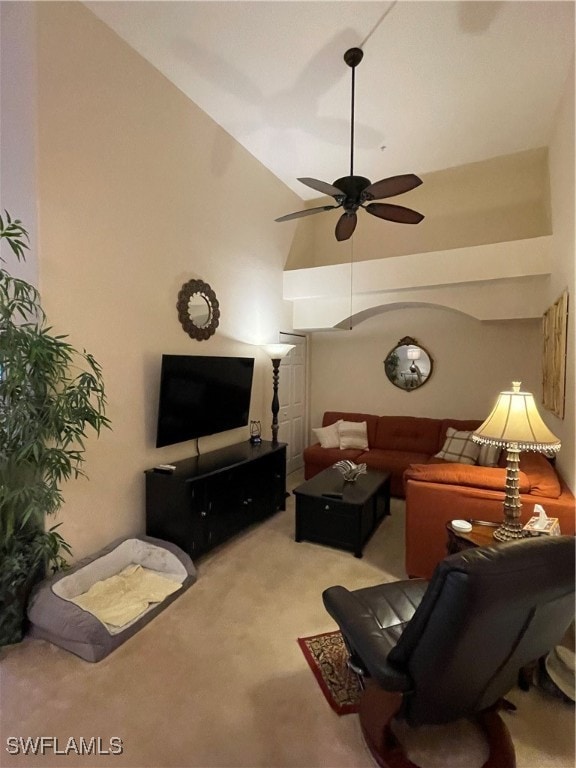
x,y
462,526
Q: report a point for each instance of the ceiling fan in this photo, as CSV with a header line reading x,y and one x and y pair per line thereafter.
x,y
353,192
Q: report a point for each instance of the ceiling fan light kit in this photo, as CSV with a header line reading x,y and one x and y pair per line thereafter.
x,y
353,192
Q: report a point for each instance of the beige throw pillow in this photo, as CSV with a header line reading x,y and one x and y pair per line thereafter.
x,y
489,455
459,448
353,434
328,437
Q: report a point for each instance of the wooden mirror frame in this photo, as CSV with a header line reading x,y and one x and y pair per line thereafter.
x,y
200,288
410,380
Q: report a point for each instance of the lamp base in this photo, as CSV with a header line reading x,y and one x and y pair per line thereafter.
x,y
511,527
509,531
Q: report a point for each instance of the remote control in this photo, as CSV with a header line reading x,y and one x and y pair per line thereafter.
x,y
166,469
333,495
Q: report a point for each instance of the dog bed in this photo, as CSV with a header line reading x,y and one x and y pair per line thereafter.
x,y
55,617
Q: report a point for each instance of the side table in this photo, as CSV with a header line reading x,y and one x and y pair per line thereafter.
x,y
479,536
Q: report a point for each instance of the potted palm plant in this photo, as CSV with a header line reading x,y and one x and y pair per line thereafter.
x,y
51,396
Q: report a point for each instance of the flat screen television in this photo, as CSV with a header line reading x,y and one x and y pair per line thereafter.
x,y
202,396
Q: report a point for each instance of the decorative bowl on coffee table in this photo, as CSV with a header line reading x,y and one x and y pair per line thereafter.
x,y
350,471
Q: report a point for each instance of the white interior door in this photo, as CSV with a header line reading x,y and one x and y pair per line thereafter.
x,y
292,398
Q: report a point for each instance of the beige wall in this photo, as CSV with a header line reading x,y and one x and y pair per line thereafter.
x,y
473,361
139,191
498,200
18,125
562,170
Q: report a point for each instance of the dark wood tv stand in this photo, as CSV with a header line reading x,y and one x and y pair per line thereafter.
x,y
211,497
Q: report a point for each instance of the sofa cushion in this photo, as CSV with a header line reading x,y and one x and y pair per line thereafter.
x,y
491,478
353,434
407,433
459,447
536,477
328,437
317,458
331,416
543,478
394,462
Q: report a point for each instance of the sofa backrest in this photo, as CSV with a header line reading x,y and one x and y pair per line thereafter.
x,y
407,433
404,433
331,416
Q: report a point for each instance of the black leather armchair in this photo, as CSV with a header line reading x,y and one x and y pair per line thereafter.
x,y
434,652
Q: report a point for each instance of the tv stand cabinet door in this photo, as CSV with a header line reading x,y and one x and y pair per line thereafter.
x,y
265,483
176,512
227,512
279,480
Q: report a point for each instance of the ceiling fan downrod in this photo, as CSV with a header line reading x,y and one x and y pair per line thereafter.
x,y
353,57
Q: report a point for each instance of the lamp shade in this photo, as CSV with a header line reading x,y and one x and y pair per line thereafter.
x,y
277,351
413,353
515,420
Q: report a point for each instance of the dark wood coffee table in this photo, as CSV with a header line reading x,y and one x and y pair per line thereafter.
x,y
339,514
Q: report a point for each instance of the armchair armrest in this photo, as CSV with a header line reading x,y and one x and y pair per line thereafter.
x,y
371,637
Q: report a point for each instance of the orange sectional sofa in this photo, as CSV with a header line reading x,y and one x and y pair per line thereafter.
x,y
437,491
395,442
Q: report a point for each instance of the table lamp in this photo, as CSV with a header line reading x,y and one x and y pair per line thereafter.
x,y
413,353
516,425
276,352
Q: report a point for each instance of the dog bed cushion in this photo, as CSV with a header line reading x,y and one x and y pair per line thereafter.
x,y
55,617
121,599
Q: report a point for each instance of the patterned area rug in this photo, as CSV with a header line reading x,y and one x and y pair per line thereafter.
x,y
327,656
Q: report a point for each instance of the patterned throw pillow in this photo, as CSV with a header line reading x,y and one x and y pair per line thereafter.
x,y
459,448
353,434
489,455
328,437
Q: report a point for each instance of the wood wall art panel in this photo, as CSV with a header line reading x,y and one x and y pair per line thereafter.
x,y
554,332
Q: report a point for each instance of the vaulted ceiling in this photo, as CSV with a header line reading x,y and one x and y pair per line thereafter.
x,y
442,84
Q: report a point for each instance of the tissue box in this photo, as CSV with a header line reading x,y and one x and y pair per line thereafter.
x,y
552,527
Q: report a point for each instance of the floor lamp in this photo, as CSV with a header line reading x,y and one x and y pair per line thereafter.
x,y
516,425
276,352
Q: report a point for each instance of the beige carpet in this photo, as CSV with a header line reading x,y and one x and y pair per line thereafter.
x,y
218,679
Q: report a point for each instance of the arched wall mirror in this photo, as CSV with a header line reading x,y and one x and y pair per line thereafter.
x,y
408,366
198,309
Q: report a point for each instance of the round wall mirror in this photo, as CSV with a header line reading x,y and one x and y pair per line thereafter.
x,y
408,366
198,309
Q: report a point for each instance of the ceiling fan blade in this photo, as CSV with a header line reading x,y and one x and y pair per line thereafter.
x,y
394,185
346,226
322,186
394,213
306,212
